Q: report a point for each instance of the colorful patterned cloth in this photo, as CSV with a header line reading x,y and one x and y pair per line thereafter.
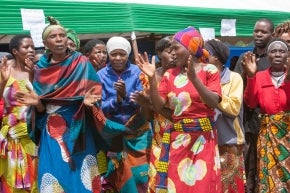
x,y
189,157
232,168
18,154
191,39
70,134
160,124
274,153
127,170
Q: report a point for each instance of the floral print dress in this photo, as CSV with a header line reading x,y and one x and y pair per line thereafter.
x,y
18,154
189,159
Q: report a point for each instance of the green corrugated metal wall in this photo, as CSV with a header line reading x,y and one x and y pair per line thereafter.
x,y
94,18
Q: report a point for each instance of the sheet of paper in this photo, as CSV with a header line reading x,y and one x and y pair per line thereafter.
x,y
36,34
228,27
207,33
32,17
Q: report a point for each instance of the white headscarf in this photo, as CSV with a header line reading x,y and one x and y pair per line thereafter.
x,y
118,42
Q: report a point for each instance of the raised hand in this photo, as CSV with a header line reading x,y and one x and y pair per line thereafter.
x,y
97,62
5,69
145,66
27,98
90,98
192,68
249,64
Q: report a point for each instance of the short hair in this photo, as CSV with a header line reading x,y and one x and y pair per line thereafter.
x,y
15,42
271,24
88,47
163,43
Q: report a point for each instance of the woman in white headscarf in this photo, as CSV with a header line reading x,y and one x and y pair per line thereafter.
x,y
128,170
270,90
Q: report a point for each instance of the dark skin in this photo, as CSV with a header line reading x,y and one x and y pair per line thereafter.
x,y
98,56
56,41
118,59
167,57
262,35
277,56
189,65
18,67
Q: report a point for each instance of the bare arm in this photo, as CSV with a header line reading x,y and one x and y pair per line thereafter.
x,y
5,73
149,69
210,98
30,98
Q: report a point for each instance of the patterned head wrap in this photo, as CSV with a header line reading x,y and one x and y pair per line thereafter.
x,y
53,24
71,34
118,42
191,39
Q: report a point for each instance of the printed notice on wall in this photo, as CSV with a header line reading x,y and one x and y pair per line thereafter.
x,y
207,33
32,17
36,34
228,27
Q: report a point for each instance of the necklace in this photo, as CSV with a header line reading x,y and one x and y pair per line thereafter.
x,y
277,74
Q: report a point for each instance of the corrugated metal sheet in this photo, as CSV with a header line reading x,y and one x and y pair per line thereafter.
x,y
105,17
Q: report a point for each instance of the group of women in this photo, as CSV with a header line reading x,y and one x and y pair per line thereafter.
x,y
177,128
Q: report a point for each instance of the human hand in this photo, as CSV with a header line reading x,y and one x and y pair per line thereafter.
x,y
145,66
249,64
5,69
139,98
192,68
120,87
29,65
27,98
90,98
97,62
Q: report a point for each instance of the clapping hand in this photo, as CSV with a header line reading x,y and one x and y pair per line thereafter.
x,y
90,98
191,68
139,98
145,66
27,98
120,87
5,69
249,64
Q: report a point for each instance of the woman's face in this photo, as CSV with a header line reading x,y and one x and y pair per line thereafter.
x,y
286,37
98,56
167,58
26,50
56,41
71,45
277,56
118,59
181,53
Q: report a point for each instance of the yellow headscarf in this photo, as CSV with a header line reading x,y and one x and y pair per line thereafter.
x,y
53,24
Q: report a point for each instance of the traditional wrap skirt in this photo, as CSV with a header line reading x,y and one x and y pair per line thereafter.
x,y
273,149
189,160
